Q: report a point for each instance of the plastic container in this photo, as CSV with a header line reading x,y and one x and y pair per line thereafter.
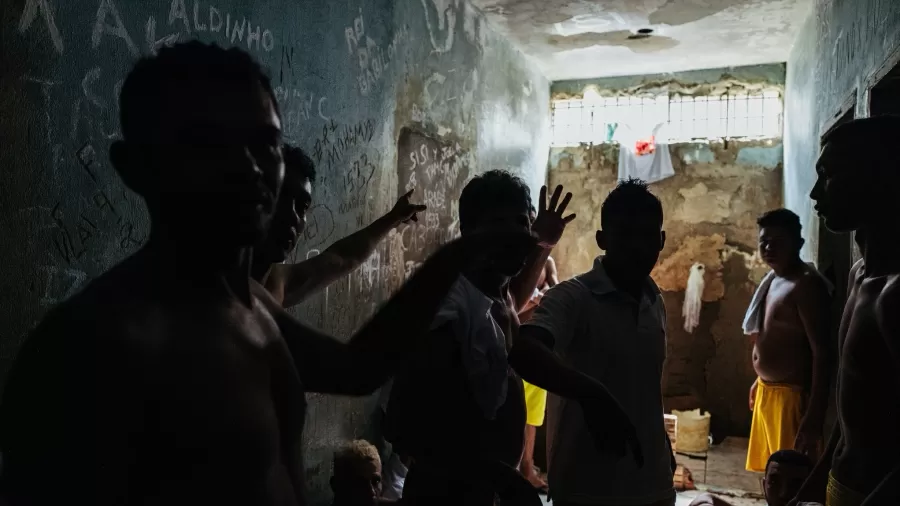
x,y
693,431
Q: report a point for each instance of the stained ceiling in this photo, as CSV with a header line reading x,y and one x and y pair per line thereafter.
x,y
576,39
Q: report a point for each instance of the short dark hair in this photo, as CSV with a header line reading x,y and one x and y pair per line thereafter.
x,y
494,189
144,91
298,163
866,131
784,219
790,457
866,139
630,197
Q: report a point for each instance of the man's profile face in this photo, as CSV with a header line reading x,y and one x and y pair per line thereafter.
x,y
358,486
506,220
839,194
777,247
220,160
290,216
783,481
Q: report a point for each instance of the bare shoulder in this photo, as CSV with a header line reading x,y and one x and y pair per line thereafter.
x,y
887,305
811,283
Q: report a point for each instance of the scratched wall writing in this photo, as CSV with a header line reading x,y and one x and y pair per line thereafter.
x,y
185,20
334,141
355,181
437,170
370,57
299,106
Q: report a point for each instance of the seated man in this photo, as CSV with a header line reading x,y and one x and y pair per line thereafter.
x,y
290,284
459,407
173,378
357,475
785,473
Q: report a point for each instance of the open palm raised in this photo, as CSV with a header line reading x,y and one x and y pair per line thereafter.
x,y
550,224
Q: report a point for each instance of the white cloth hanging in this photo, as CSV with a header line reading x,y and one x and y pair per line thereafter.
x,y
693,298
651,167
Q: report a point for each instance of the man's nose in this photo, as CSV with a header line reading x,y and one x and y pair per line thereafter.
x,y
816,190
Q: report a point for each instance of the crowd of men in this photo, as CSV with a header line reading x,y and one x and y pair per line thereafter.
x,y
178,377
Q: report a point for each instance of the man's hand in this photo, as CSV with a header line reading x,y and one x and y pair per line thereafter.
x,y
809,442
549,224
405,211
753,394
611,428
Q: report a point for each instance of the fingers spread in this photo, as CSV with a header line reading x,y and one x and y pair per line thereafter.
x,y
565,202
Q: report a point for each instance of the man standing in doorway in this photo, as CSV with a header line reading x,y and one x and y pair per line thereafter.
x,y
857,187
789,325
610,323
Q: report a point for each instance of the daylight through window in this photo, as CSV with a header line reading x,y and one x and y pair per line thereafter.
x,y
674,118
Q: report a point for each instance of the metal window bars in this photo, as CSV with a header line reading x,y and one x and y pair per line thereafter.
x,y
687,118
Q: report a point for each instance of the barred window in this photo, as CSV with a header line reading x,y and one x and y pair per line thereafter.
x,y
595,121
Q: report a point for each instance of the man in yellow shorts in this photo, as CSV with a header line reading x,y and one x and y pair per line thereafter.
x,y
788,320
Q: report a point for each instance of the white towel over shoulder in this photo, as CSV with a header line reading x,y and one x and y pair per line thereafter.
x,y
753,318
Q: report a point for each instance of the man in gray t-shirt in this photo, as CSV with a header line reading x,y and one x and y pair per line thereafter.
x,y
610,323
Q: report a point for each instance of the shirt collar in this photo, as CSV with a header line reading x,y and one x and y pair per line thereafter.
x,y
599,283
483,302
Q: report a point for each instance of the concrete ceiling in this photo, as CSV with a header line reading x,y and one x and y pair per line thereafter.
x,y
576,39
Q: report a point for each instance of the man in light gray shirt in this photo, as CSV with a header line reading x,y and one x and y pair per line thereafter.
x,y
610,323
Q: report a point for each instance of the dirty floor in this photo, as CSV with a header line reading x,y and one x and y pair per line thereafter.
x,y
725,476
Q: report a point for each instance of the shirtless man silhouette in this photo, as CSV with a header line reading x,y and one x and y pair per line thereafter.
x,y
790,351
291,284
857,187
174,378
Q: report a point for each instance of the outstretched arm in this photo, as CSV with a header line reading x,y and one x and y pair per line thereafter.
x,y
548,227
552,273
532,357
372,355
814,304
298,281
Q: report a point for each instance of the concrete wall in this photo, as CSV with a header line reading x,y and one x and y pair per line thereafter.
x,y
710,208
348,76
841,44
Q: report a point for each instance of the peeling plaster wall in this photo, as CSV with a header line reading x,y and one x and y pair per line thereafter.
x,y
694,82
710,208
348,76
840,45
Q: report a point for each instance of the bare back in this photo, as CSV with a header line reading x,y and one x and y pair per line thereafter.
x,y
167,393
782,353
868,395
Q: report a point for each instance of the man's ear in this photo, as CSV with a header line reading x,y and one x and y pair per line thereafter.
x,y
601,240
130,165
